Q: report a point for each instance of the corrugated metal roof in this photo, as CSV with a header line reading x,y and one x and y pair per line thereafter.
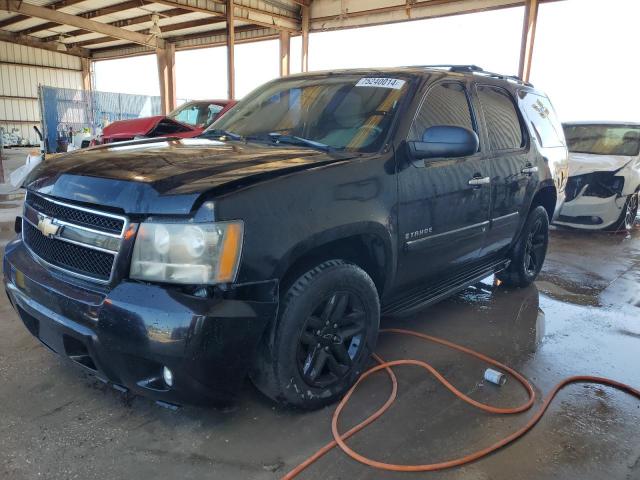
x,y
41,3
178,12
28,23
5,15
263,14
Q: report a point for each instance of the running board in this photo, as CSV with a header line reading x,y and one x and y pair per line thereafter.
x,y
422,297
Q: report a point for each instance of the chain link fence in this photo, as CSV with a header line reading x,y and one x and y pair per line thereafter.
x,y
66,112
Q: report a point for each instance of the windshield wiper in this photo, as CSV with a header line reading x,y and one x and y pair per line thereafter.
x,y
291,140
222,133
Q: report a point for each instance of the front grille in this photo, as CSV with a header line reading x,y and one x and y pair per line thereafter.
x,y
79,217
72,257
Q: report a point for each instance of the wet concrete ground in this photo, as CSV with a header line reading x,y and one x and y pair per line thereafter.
x,y
581,317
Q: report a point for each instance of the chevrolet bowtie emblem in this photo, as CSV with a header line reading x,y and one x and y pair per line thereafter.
x,y
47,227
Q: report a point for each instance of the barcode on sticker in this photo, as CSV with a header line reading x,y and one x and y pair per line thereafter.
x,y
381,82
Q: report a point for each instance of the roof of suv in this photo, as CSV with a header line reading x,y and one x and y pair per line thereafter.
x,y
466,70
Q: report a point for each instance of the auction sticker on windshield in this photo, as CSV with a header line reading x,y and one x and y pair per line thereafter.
x,y
381,82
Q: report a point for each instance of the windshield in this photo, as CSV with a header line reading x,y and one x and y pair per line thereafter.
x,y
343,112
198,114
603,139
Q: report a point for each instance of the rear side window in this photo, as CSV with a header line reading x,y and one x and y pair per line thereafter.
x,y
445,104
542,119
503,123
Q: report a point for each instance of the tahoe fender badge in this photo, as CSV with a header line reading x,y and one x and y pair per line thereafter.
x,y
418,233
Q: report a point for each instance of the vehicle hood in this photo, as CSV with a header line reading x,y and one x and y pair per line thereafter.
x,y
136,126
583,163
166,175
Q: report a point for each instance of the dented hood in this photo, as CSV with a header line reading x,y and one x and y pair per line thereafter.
x,y
583,163
166,176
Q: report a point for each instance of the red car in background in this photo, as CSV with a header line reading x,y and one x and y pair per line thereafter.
x,y
186,121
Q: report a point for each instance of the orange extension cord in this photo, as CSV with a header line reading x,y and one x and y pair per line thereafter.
x,y
339,439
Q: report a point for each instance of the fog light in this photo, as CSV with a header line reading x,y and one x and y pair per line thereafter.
x,y
167,375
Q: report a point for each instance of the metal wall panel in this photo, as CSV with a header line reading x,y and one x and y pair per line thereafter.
x,y
14,53
22,69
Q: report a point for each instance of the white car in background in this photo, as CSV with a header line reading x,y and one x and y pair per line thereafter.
x,y
604,176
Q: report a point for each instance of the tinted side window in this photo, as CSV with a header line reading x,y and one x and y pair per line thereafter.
x,y
445,104
542,119
503,124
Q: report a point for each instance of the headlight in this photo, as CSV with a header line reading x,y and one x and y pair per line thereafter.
x,y
187,253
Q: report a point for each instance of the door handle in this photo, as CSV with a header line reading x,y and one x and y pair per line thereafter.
x,y
477,181
529,170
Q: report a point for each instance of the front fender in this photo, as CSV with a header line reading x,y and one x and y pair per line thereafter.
x,y
631,174
380,232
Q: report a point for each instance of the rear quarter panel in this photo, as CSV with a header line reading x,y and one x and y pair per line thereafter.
x,y
552,158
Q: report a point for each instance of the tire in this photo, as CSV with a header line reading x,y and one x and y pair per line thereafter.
x,y
529,252
627,217
326,330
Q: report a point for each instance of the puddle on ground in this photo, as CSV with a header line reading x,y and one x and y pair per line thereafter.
x,y
569,292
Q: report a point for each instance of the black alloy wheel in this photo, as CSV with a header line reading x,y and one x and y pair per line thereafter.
x,y
535,248
529,251
323,338
332,338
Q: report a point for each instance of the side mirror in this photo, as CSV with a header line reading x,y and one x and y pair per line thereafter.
x,y
445,141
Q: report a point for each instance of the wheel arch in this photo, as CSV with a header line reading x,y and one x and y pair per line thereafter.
x,y
547,197
368,245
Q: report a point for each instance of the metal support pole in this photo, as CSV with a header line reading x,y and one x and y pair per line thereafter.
x,y
285,57
86,73
231,40
305,38
166,58
528,38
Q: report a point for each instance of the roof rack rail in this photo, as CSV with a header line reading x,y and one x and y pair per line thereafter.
x,y
479,71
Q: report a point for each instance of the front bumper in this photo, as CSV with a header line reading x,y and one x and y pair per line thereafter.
x,y
126,335
593,213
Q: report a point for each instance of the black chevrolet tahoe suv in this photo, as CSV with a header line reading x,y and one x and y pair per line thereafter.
x,y
271,245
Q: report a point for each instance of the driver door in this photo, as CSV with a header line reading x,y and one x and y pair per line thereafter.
x,y
443,218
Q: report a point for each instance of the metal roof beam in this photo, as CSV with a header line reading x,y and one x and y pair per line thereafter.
x,y
119,7
36,43
79,22
244,12
165,29
327,15
174,12
266,19
211,38
53,6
